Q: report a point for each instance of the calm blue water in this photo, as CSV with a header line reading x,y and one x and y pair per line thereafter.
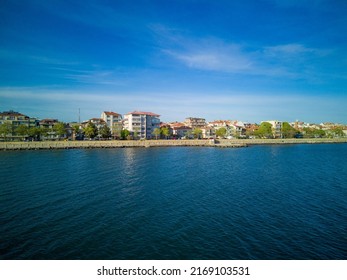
x,y
261,202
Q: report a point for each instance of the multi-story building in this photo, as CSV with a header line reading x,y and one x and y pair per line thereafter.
x,y
276,128
181,131
238,129
16,119
113,120
141,124
208,132
97,121
48,124
195,122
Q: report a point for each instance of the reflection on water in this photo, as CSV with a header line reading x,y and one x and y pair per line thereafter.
x,y
264,202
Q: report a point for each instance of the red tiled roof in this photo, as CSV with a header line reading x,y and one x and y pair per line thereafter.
x,y
11,113
111,113
181,127
48,121
144,113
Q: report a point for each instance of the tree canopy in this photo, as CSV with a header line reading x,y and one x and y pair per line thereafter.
x,y
91,131
221,132
59,129
117,129
197,132
165,131
105,132
313,132
156,132
264,130
288,131
124,134
5,129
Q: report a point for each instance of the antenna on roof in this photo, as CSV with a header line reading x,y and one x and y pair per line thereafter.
x,y
79,115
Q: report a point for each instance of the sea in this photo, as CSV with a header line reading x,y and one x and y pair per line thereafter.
x,y
267,202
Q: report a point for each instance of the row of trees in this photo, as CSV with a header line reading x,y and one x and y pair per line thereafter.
x,y
265,131
8,130
59,130
91,131
165,133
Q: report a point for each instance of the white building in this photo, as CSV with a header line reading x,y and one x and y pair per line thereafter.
x,y
112,120
141,123
276,128
181,131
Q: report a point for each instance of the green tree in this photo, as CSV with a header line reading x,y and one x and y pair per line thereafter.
x,y
117,129
287,130
264,130
156,132
188,134
36,132
105,132
5,130
22,130
77,130
136,134
91,131
221,132
59,129
314,132
124,134
165,131
337,131
197,132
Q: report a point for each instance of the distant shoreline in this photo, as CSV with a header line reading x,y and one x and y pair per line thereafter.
x,y
234,143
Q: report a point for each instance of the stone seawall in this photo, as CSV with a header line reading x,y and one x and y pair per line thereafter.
x,y
235,143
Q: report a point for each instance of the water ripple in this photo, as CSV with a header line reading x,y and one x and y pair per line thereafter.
x,y
265,202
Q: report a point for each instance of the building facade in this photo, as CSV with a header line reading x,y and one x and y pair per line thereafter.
x,y
276,128
195,122
113,120
13,120
16,119
48,125
141,124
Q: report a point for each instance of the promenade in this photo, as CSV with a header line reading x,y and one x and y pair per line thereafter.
x,y
234,143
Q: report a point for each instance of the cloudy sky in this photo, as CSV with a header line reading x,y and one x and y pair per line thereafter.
x,y
250,60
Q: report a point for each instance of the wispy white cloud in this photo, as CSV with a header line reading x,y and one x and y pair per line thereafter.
x,y
228,58
64,68
292,61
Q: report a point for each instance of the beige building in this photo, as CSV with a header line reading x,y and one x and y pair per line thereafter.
x,y
113,120
16,119
181,131
195,122
276,128
97,121
141,124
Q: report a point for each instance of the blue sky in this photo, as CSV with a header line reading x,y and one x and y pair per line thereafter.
x,y
247,60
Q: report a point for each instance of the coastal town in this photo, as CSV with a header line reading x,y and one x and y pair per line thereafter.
x,y
139,125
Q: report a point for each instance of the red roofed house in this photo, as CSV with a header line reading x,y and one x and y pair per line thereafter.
x,y
113,121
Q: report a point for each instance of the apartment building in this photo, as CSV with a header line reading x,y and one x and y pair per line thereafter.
x,y
195,122
98,122
48,124
16,119
112,119
181,131
276,128
141,124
